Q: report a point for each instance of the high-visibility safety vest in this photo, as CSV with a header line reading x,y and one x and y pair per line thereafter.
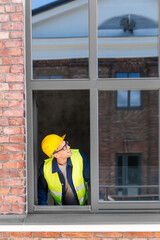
x,y
54,184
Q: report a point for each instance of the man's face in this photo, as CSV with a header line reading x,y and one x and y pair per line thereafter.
x,y
63,154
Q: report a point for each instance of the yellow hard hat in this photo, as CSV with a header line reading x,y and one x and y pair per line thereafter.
x,y
50,143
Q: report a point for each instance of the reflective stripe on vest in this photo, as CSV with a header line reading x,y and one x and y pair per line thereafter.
x,y
77,177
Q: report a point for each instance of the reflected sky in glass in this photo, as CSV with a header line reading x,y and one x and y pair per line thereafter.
x,y
40,3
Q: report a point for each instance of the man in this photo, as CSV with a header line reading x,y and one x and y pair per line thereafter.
x,y
66,173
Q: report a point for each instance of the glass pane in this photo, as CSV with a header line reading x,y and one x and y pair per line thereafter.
x,y
61,112
60,39
135,98
122,98
127,38
128,149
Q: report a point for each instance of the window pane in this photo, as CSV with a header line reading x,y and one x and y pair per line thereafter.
x,y
122,98
127,37
135,98
128,149
61,112
60,39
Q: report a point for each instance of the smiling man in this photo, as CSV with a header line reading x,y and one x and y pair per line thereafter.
x,y
66,173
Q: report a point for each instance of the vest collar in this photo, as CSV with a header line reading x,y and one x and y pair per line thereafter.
x,y
55,167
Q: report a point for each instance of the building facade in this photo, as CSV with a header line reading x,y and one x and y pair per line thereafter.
x,y
140,142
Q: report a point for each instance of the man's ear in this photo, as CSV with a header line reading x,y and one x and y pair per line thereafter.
x,y
54,155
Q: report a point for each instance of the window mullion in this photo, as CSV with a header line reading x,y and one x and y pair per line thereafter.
x,y
93,62
94,158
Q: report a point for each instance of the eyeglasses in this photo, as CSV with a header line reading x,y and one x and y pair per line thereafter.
x,y
64,148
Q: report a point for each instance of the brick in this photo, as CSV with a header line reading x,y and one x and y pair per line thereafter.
x,y
10,9
16,121
1,95
35,238
13,60
1,78
16,17
16,86
13,130
19,8
14,78
16,156
16,104
157,234
108,234
4,69
12,26
1,183
2,10
4,52
18,191
13,44
14,182
4,17
19,208
139,234
13,165
70,239
16,35
76,234
79,238
12,113
4,191
3,104
46,234
16,52
4,1
14,95
4,139
17,234
3,156
5,208
3,121
17,69
17,1
4,86
4,35
17,173
13,148
14,199
1,199
17,139
4,173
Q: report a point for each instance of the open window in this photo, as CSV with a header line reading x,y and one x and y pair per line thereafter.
x,y
93,73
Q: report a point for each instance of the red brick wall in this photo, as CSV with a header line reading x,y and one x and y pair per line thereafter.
x,y
12,108
80,235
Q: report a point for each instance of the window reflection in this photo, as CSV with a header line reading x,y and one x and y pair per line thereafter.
x,y
60,39
128,146
127,37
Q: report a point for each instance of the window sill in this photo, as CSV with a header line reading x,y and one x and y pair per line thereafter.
x,y
81,222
